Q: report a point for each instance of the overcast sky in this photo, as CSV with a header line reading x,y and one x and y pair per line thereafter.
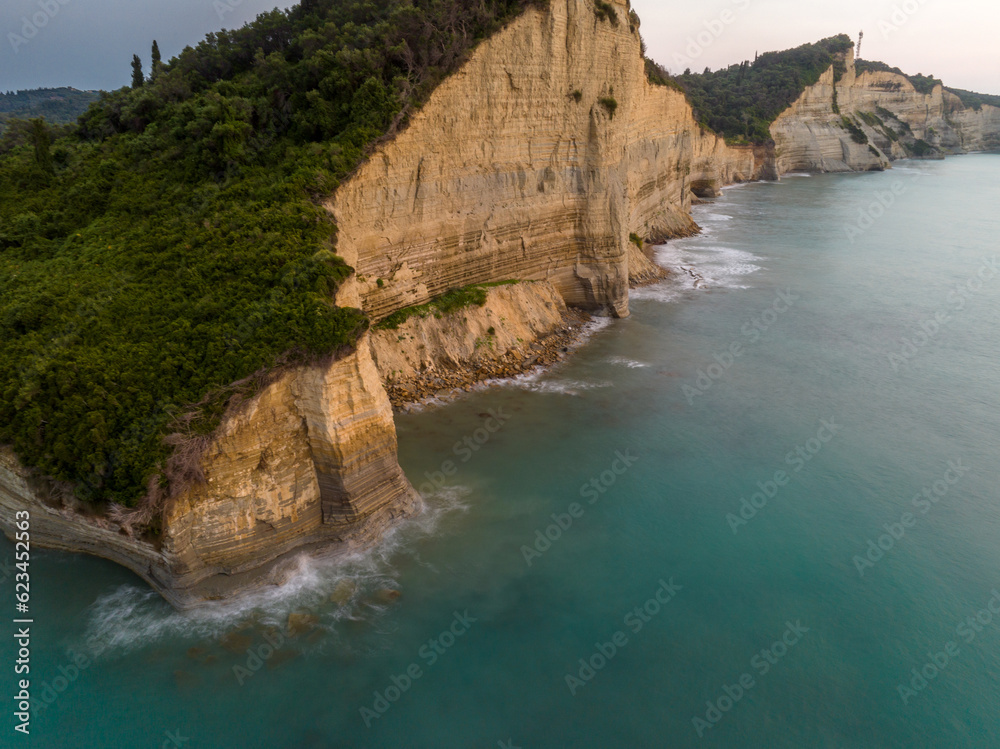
x,y
89,43
955,40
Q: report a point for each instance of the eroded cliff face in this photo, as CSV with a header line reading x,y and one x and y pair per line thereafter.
x,y
308,464
512,319
978,130
536,161
810,135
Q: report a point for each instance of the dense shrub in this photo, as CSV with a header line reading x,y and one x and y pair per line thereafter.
x,y
606,12
857,134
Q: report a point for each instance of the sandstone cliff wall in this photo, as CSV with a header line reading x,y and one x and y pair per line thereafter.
x,y
512,319
536,161
309,462
810,136
978,130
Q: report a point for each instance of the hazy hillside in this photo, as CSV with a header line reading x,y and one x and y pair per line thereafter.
x,y
56,105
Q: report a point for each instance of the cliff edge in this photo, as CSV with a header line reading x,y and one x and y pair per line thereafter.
x,y
309,465
541,159
536,161
545,158
865,121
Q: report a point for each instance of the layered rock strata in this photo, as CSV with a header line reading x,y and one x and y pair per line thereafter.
x,y
520,326
811,134
536,161
542,159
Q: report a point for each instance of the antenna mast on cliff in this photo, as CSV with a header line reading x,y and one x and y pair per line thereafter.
x,y
861,36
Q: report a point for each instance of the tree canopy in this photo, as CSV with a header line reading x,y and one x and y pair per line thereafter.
x,y
741,101
56,105
974,100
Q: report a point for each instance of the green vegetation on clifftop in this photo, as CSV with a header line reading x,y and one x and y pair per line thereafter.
x,y
924,84
741,101
974,100
175,243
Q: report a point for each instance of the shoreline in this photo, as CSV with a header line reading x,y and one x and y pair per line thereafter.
x,y
409,394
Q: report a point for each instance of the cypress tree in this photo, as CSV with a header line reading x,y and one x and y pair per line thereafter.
x,y
137,77
155,61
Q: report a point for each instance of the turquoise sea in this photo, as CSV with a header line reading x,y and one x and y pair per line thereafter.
x,y
763,511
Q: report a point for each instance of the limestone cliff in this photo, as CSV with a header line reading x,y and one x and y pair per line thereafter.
x,y
537,160
512,318
307,463
811,134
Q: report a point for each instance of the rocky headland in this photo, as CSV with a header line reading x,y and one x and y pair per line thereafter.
x,y
548,159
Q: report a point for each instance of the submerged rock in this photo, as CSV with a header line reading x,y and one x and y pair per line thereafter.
x,y
186,680
281,657
344,592
236,643
387,595
300,622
